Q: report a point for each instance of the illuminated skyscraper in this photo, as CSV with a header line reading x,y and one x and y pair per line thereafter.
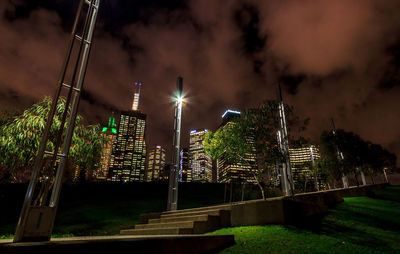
x,y
200,161
185,172
240,172
128,159
155,163
110,133
228,116
303,155
302,159
165,172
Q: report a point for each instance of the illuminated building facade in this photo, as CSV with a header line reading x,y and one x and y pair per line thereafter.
x,y
237,172
200,162
155,163
185,172
128,159
110,133
301,160
164,174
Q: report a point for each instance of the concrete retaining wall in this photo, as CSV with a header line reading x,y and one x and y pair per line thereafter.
x,y
284,210
193,244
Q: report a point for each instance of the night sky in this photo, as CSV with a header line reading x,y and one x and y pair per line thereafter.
x,y
337,59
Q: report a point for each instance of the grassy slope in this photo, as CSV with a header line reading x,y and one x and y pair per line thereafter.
x,y
359,225
105,210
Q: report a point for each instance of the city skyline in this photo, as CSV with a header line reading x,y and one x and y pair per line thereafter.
x,y
330,66
286,128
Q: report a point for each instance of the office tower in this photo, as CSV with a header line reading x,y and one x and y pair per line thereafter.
x,y
110,133
128,159
301,160
228,116
200,161
239,172
185,172
165,172
155,163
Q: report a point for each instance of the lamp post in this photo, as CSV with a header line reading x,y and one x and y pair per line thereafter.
x,y
174,174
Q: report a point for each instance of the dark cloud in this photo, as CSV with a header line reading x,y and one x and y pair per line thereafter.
x,y
391,76
333,58
247,19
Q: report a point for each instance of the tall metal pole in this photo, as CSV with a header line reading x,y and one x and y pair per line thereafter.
x,y
281,166
386,178
314,171
173,181
287,177
340,156
37,218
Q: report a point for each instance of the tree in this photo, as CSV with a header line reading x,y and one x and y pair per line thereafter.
x,y
358,154
327,168
333,146
8,114
378,159
87,148
255,132
20,138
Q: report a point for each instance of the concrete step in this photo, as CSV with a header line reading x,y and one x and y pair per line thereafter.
x,y
222,207
202,217
157,231
182,224
198,227
151,221
215,212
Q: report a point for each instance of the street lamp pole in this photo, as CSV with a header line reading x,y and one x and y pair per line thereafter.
x,y
174,174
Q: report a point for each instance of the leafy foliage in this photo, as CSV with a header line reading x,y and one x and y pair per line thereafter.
x,y
254,132
20,138
260,124
8,114
358,155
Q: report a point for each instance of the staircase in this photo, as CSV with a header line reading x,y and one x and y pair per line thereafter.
x,y
188,221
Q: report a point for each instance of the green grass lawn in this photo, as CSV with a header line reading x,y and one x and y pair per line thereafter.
x,y
105,210
358,225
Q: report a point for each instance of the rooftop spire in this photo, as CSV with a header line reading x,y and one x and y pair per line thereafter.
x,y
136,95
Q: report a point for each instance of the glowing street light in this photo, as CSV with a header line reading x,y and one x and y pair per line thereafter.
x,y
174,174
179,100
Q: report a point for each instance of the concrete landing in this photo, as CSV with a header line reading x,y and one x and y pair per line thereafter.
x,y
160,244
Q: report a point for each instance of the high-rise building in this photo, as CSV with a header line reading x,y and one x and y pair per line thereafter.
x,y
228,116
228,171
200,161
185,172
128,159
301,159
110,133
165,172
155,163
